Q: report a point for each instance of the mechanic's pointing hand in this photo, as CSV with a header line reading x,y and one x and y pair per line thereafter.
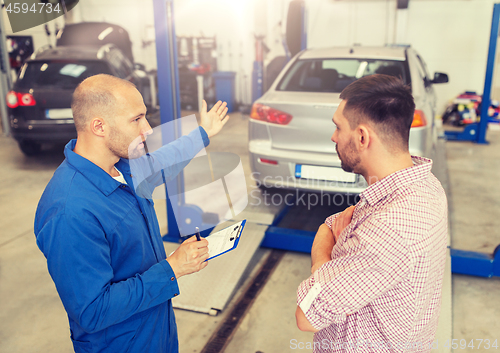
x,y
213,121
189,257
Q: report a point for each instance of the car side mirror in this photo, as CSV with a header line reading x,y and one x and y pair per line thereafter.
x,y
440,77
138,66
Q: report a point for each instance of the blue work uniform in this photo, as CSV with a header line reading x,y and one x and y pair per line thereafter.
x,y
105,252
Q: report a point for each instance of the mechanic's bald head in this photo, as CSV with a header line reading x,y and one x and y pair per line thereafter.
x,y
96,96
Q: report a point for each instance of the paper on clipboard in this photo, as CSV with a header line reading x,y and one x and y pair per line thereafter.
x,y
224,240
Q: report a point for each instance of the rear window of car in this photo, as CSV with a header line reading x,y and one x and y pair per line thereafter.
x,y
60,73
333,75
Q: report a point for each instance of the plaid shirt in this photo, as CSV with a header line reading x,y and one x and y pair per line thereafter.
x,y
381,292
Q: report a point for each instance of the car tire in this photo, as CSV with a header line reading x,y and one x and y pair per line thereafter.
x,y
30,148
452,118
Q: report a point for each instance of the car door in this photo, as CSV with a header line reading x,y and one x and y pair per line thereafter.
x,y
427,101
428,85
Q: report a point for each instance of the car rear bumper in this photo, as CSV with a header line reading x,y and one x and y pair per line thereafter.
x,y
44,131
282,175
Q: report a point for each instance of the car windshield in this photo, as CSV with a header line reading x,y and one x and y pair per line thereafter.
x,y
333,75
60,73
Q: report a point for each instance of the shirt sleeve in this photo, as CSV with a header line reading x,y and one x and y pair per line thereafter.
x,y
329,220
167,162
362,272
79,262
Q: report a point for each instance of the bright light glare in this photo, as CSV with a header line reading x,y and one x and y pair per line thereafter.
x,y
361,69
237,8
105,33
73,70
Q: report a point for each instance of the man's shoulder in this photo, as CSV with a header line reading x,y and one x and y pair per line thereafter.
x,y
410,198
412,211
65,194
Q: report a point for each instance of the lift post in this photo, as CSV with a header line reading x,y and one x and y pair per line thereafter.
x,y
470,262
5,78
477,132
169,93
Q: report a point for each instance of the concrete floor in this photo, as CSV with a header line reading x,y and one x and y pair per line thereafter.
x,y
32,318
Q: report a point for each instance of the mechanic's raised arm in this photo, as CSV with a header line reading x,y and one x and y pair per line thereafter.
x,y
176,155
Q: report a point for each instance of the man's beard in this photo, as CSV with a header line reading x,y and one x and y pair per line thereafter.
x,y
349,160
121,147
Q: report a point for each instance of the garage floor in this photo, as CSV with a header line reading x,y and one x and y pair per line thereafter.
x,y
32,318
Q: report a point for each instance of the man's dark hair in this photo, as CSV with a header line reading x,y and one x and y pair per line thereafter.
x,y
384,101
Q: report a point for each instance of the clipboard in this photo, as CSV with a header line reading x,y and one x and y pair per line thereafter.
x,y
224,240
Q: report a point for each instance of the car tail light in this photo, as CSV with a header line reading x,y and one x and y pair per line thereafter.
x,y
11,99
270,115
26,99
16,99
268,161
419,119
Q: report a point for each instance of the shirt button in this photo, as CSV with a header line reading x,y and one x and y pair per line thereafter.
x,y
176,294
123,186
172,278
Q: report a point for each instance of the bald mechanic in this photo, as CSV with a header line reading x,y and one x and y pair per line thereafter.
x,y
377,268
102,241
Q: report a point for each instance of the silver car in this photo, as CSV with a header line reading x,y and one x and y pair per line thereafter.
x,y
290,126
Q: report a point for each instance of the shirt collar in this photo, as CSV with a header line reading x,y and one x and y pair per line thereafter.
x,y
377,191
96,175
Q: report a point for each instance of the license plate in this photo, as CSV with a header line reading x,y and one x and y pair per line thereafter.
x,y
323,173
58,114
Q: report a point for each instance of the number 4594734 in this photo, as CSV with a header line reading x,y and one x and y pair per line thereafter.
x,y
472,344
35,8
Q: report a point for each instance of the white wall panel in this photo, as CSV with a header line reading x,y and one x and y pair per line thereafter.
x,y
451,35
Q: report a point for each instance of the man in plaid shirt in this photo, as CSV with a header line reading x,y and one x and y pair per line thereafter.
x,y
377,268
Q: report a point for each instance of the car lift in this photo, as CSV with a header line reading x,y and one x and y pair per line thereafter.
x,y
476,132
5,78
469,262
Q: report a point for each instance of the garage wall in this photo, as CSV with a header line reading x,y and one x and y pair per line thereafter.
x,y
230,21
451,35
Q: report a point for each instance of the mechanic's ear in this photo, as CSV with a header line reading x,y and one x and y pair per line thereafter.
x,y
97,126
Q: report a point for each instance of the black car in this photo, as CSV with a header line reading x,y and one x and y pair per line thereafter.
x,y
39,106
95,34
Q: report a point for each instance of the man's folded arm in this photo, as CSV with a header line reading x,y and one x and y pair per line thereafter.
x,y
78,259
302,323
346,284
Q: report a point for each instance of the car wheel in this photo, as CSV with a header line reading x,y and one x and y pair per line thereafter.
x,y
455,119
263,187
30,148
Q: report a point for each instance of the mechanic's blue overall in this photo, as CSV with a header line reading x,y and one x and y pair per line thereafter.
x,y
105,253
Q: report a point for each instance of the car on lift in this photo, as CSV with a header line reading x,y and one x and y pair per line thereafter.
x,y
290,126
39,105
95,34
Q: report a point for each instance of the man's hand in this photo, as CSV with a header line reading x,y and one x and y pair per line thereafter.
x,y
189,257
322,247
213,121
342,221
326,238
